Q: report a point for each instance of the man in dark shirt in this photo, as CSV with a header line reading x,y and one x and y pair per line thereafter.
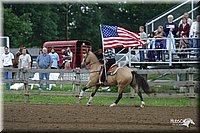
x,y
170,26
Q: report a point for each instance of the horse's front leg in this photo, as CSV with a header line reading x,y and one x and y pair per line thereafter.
x,y
92,95
88,85
82,92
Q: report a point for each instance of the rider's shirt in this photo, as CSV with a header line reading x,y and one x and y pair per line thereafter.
x,y
109,53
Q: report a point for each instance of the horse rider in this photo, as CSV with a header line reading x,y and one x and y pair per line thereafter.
x,y
109,55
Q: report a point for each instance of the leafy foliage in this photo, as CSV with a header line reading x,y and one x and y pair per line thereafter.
x,y
34,24
18,28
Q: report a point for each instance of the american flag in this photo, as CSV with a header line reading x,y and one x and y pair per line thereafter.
x,y
114,36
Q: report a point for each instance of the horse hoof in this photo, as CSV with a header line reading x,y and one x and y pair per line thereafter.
x,y
142,104
79,98
112,105
89,104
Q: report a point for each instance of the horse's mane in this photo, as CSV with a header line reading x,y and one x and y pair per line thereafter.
x,y
99,54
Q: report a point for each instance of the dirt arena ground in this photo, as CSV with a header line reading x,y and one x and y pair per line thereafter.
x,y
79,118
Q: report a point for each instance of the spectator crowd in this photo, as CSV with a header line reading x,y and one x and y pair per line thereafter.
x,y
171,36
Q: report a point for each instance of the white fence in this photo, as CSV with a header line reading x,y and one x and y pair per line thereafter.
x,y
77,77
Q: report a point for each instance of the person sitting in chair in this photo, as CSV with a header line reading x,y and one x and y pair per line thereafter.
x,y
110,60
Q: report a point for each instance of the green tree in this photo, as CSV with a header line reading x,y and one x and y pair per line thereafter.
x,y
19,29
47,22
44,19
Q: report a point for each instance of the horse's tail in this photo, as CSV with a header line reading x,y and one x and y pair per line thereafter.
x,y
141,82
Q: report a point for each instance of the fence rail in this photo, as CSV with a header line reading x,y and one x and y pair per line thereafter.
x,y
77,81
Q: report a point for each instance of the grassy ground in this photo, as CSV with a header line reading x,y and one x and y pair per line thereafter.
x,y
102,100
105,100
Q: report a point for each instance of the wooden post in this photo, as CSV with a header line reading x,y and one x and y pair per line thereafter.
x,y
191,88
77,87
77,84
191,78
61,78
25,79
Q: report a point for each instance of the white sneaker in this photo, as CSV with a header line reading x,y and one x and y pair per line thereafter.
x,y
40,89
48,89
105,88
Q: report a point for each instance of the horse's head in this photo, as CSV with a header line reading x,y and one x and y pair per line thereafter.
x,y
89,58
86,59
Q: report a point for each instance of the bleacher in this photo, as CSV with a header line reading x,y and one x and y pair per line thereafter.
x,y
171,59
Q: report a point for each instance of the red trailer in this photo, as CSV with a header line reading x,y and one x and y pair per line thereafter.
x,y
78,47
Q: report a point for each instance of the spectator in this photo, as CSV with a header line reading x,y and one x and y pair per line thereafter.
x,y
183,29
16,61
189,20
160,43
17,54
44,61
194,34
63,58
143,37
24,61
55,59
67,56
40,52
7,59
170,29
151,45
170,26
27,52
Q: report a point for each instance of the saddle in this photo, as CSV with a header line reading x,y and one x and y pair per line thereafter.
x,y
111,71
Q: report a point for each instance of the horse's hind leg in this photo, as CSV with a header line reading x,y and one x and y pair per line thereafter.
x,y
120,91
116,102
141,98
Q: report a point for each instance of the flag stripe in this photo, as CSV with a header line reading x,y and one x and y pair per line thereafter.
x,y
114,36
122,42
126,31
120,39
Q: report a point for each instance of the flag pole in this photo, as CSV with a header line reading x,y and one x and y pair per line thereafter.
x,y
104,60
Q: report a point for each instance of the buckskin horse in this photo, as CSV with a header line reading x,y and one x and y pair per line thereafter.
x,y
122,76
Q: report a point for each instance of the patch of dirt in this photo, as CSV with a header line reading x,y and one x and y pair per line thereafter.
x,y
68,118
